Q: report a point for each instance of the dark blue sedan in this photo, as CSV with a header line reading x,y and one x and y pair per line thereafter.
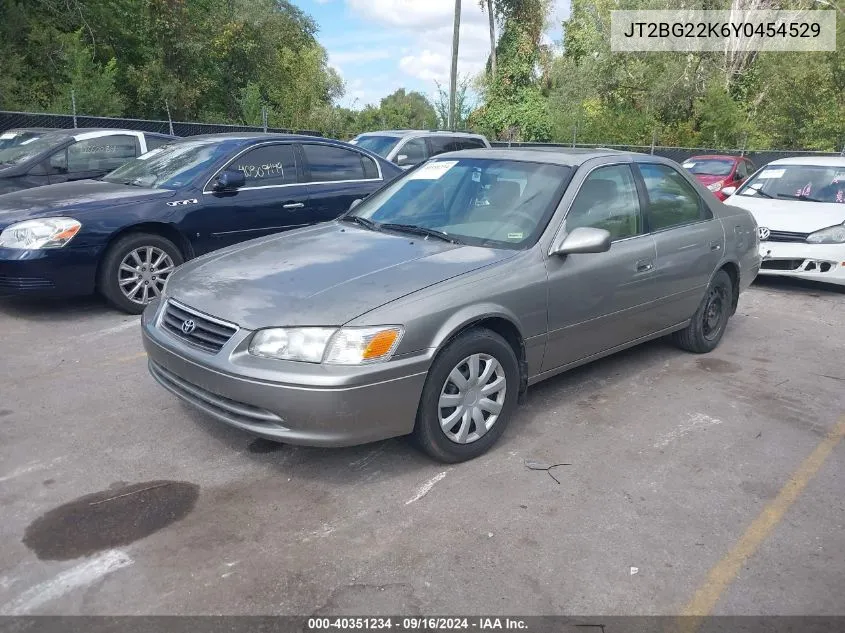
x,y
124,234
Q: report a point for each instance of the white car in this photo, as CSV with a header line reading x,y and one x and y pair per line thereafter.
x,y
799,205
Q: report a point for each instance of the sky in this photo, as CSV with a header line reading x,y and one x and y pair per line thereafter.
x,y
378,46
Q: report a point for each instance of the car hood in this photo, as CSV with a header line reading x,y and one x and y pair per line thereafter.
x,y
69,198
790,215
322,275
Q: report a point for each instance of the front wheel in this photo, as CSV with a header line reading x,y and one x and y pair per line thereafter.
x,y
135,269
468,398
708,323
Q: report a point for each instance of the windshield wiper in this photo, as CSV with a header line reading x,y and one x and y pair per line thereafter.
x,y
421,230
357,219
799,197
760,193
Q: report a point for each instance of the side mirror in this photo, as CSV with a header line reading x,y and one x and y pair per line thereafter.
x,y
402,160
355,203
58,163
584,239
727,191
230,180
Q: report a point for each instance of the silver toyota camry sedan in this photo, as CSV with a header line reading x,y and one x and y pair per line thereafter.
x,y
431,307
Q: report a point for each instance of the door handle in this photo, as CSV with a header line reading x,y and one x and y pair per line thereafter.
x,y
644,265
715,246
293,205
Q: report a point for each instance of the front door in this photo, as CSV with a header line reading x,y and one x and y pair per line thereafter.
x,y
274,198
689,241
598,301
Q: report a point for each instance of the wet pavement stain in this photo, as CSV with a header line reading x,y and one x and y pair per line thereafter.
x,y
717,365
110,518
260,446
5,412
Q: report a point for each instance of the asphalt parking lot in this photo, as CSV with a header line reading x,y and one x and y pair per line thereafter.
x,y
693,483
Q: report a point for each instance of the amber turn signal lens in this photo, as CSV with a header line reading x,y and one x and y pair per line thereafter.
x,y
380,344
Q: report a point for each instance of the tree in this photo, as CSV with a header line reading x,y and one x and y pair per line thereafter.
x,y
463,104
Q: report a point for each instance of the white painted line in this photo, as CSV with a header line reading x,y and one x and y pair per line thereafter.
x,y
426,488
80,576
696,421
126,325
18,472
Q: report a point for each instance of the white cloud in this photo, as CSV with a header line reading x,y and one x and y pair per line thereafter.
x,y
342,58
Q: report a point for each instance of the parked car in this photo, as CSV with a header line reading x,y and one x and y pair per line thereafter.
x,y
67,155
720,174
17,136
407,148
799,204
430,307
124,234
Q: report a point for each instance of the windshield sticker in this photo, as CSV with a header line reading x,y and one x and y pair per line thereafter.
x,y
840,196
805,191
476,175
515,236
7,136
772,173
262,171
688,165
433,171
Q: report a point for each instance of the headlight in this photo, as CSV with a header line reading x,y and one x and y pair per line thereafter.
x,y
714,186
38,234
830,235
304,344
345,346
358,345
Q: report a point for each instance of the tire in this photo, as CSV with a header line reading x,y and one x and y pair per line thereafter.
x,y
708,323
456,443
114,277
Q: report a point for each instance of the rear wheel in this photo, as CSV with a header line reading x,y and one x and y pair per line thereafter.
x,y
708,323
468,398
135,269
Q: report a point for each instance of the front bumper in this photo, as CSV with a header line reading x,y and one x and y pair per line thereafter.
x,y
816,262
51,272
297,403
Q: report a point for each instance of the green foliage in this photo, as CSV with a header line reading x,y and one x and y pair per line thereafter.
x,y
463,104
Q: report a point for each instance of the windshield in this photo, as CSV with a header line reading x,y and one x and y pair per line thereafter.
x,y
476,201
170,166
380,145
29,148
813,183
709,166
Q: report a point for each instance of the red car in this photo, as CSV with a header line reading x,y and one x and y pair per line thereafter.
x,y
720,174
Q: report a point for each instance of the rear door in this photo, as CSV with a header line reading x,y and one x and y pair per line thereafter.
x,y
274,198
598,301
688,240
337,176
441,143
91,157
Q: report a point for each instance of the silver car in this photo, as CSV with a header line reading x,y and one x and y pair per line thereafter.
x,y
431,307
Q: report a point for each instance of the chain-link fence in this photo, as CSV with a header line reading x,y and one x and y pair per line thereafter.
x,y
13,120
680,154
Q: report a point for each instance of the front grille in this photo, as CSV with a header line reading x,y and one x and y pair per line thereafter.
x,y
787,236
781,264
207,333
211,402
24,283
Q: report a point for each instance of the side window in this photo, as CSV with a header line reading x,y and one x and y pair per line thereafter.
x,y
328,163
442,144
414,150
267,165
370,167
672,201
156,141
472,143
741,170
608,200
100,154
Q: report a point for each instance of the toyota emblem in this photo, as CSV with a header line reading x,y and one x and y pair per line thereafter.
x,y
763,232
188,326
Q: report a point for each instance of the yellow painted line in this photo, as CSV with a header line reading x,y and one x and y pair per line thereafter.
x,y
727,569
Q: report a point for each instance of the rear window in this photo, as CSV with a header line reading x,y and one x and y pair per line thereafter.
x,y
709,166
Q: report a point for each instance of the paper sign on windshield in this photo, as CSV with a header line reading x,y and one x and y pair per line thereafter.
x,y
151,153
7,136
433,171
772,173
688,165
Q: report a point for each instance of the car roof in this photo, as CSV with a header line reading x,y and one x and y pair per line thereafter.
x,y
247,136
824,161
401,133
571,157
716,156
